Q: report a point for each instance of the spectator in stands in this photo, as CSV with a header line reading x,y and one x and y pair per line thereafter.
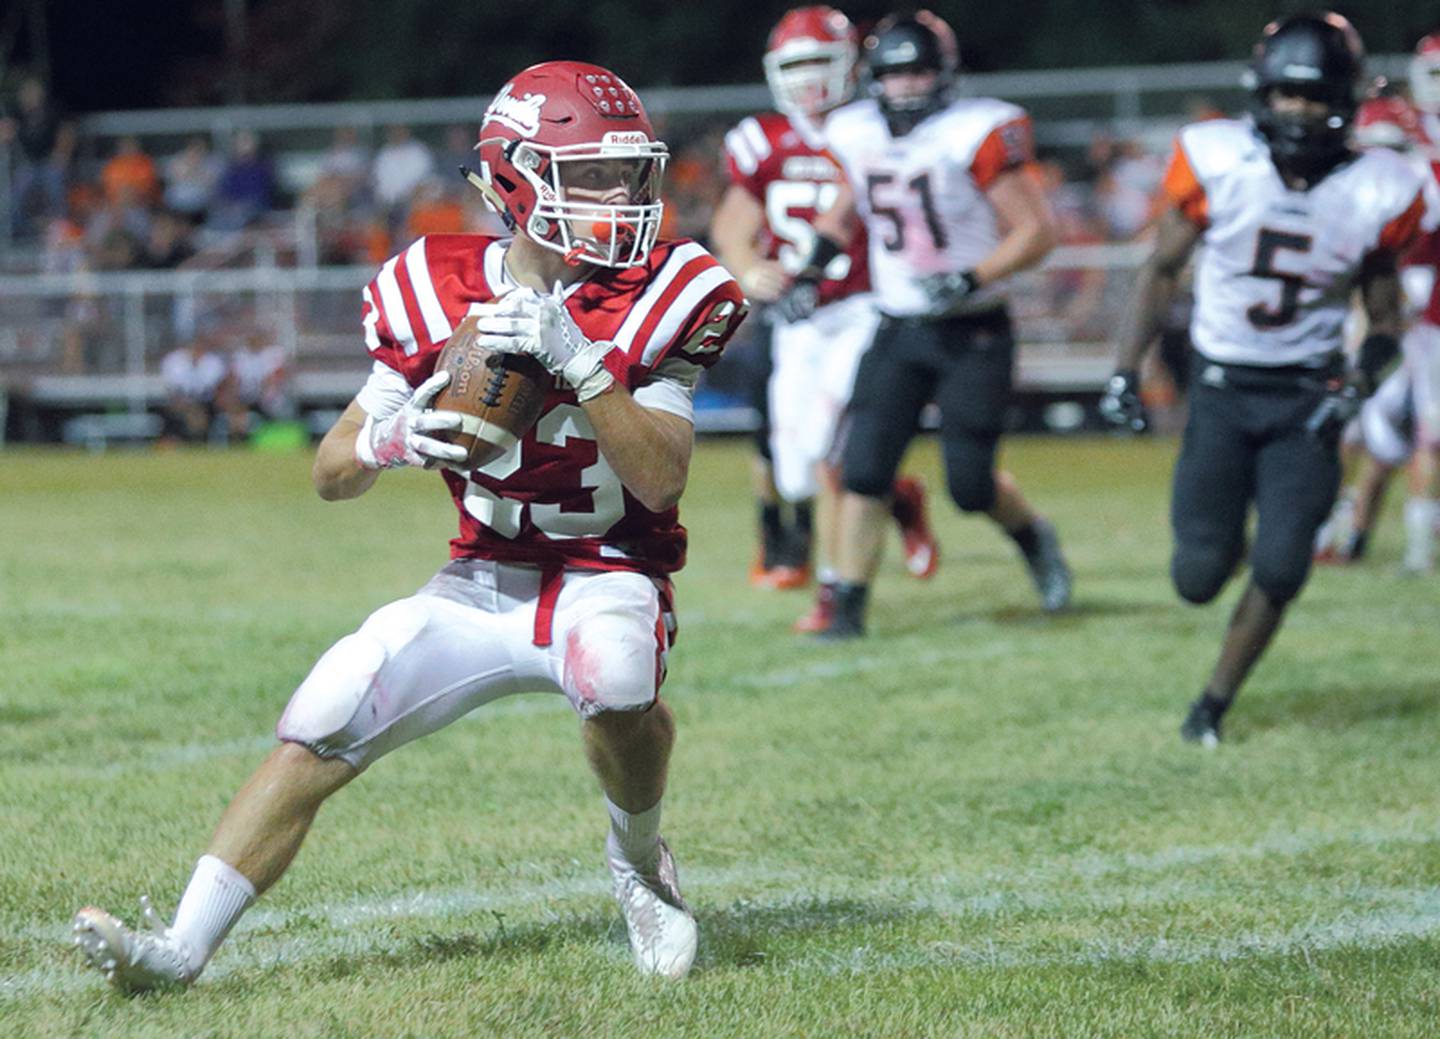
x,y
246,190
346,164
130,177
198,386
43,145
168,243
458,150
399,167
191,177
260,369
434,210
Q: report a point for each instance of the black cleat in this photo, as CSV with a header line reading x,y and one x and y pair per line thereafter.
x,y
840,629
1048,568
1202,724
847,621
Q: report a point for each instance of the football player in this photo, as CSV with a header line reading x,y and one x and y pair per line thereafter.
x,y
559,577
1293,220
781,177
1382,438
941,185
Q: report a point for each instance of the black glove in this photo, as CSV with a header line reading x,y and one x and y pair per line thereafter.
x,y
1121,406
947,291
798,302
1342,403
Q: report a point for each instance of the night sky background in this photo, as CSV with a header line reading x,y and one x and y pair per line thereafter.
x,y
105,55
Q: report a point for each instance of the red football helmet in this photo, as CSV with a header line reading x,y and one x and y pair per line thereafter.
x,y
1425,74
541,126
810,61
1387,120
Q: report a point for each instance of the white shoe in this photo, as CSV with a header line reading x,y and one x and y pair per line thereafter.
x,y
663,935
132,960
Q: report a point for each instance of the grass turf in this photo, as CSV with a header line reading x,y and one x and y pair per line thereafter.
x,y
979,821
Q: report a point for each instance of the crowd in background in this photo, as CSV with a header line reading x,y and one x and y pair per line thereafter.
x,y
126,203
133,207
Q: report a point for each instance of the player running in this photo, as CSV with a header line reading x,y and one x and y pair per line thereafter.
x,y
941,187
781,177
1293,221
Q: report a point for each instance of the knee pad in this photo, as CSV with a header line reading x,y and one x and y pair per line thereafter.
x,y
973,491
1199,572
1280,582
970,470
612,663
332,694
324,707
868,481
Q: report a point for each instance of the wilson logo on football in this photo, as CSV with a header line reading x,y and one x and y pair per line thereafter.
x,y
521,114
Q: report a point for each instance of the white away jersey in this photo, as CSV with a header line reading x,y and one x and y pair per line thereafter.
x,y
1273,284
922,195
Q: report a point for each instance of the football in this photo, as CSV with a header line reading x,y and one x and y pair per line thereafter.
x,y
500,395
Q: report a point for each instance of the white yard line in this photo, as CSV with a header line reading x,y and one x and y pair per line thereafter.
x,y
1393,915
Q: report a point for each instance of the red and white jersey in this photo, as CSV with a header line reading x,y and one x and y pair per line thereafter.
x,y
1426,252
922,195
552,499
784,165
1274,281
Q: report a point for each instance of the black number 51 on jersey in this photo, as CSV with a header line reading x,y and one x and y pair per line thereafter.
x,y
1267,245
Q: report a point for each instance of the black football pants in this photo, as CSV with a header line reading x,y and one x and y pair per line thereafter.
x,y
1244,445
964,365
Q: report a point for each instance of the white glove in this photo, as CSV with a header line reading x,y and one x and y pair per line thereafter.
x,y
524,321
388,443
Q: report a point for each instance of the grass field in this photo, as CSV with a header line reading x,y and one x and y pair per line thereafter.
x,y
977,822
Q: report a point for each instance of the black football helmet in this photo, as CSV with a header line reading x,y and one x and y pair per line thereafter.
x,y
1318,57
913,42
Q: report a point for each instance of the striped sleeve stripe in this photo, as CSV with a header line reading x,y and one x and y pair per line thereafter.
x,y
677,313
371,318
756,136
741,153
674,263
393,304
437,326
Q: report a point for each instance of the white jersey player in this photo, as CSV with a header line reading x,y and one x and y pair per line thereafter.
x,y
1293,221
942,188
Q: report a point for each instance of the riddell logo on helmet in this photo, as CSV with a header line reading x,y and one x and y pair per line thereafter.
x,y
521,114
625,137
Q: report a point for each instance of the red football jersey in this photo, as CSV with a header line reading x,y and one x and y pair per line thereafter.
x,y
552,499
788,170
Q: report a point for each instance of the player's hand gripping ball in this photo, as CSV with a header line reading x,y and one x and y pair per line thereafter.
x,y
500,395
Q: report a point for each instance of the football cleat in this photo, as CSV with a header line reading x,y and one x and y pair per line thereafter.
x,y
922,552
820,615
1202,725
663,936
1048,568
779,578
132,960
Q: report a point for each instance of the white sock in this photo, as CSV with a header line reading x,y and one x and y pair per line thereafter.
x,y
638,835
1420,533
214,899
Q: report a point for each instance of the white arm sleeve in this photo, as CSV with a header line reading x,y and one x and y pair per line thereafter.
x,y
384,393
671,389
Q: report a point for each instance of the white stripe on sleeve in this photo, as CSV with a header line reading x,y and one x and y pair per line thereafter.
x,y
741,152
674,263
394,305
437,326
669,327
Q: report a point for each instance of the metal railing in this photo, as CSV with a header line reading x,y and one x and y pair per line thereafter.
x,y
127,320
